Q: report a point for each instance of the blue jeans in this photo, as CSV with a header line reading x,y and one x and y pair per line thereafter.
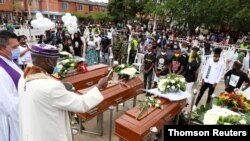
x,y
148,79
98,56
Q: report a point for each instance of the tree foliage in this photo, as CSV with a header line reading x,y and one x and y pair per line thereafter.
x,y
216,14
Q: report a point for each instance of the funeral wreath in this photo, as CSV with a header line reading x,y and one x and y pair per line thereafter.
x,y
172,83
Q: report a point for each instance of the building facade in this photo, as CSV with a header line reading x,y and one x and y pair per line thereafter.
x,y
6,10
22,9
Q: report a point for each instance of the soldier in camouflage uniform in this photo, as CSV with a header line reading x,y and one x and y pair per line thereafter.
x,y
120,47
124,48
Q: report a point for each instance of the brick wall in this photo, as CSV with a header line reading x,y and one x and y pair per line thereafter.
x,y
53,5
72,7
7,6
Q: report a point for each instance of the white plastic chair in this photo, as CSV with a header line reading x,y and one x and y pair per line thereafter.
x,y
139,61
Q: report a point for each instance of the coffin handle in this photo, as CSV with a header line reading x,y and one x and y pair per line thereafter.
x,y
92,112
118,100
168,118
90,83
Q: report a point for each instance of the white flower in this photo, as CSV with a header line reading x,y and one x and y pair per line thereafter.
x,y
115,62
212,116
151,98
227,123
65,61
149,104
173,87
182,80
129,71
172,81
60,67
72,65
157,105
168,86
243,121
122,66
178,85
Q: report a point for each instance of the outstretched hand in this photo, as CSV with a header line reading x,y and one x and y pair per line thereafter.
x,y
103,83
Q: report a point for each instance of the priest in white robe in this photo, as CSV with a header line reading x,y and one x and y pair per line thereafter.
x,y
9,75
45,102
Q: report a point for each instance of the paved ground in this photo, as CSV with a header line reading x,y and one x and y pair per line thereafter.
x,y
91,125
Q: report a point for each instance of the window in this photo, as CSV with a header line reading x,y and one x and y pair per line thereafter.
x,y
103,9
80,7
2,1
65,5
90,7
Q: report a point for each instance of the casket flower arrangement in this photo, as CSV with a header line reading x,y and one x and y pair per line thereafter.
x,y
172,83
66,67
125,71
232,120
148,102
65,54
234,101
223,116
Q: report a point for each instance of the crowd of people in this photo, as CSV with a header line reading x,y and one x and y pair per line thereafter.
x,y
163,53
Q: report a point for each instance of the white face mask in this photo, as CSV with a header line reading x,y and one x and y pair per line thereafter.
x,y
184,49
163,53
149,52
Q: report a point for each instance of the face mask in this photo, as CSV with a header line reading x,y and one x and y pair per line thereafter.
x,y
240,57
149,52
53,67
163,53
177,54
184,49
55,70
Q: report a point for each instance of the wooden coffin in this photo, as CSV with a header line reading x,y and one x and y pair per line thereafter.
x,y
84,80
130,128
113,95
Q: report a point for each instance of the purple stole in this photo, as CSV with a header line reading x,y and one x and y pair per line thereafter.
x,y
15,76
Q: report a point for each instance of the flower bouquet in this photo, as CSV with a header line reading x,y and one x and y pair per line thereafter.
x,y
172,83
233,101
147,103
231,120
223,116
64,54
125,71
66,67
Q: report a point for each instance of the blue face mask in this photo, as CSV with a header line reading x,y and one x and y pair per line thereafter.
x,y
55,70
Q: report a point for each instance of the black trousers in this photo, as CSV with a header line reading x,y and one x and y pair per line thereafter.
x,y
202,91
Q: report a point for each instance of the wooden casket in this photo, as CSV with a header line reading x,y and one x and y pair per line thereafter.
x,y
113,95
130,128
84,80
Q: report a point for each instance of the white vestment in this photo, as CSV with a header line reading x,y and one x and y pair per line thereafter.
x,y
44,106
9,125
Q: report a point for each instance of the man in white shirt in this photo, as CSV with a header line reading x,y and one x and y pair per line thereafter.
x,y
212,75
9,99
45,102
25,57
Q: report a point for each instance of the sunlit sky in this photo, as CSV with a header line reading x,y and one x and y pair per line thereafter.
x,y
100,1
